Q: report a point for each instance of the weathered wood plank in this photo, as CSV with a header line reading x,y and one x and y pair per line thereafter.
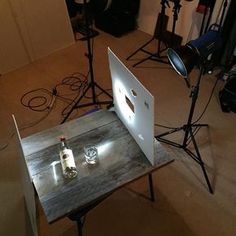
x,y
69,129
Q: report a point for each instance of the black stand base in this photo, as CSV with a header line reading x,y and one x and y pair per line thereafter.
x,y
190,132
152,56
160,28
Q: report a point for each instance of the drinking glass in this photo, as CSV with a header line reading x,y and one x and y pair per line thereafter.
x,y
91,154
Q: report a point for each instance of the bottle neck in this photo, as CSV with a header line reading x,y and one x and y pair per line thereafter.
x,y
64,144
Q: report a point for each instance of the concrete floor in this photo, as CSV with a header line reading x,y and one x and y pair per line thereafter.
x,y
183,204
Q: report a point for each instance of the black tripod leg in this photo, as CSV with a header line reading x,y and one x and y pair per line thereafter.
x,y
152,195
160,139
154,57
75,105
141,61
196,128
170,132
140,48
201,163
200,125
103,90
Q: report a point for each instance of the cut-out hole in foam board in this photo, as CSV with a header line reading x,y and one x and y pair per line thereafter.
x,y
129,103
133,93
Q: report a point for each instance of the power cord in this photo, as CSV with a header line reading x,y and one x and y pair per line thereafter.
x,y
208,102
4,146
43,100
39,100
203,112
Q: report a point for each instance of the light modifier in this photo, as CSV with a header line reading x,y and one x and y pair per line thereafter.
x,y
195,52
182,59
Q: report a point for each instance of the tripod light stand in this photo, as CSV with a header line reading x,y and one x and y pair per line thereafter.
x,y
183,60
157,34
92,84
160,34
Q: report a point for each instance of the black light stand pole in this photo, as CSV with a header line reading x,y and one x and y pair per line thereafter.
x,y
92,84
89,55
190,129
223,12
176,10
163,7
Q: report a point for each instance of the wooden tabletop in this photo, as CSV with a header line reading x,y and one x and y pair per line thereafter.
x,y
120,162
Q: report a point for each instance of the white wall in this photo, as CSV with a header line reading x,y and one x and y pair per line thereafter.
x,y
31,29
12,48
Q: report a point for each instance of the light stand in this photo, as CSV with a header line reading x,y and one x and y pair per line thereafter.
x,y
92,84
190,129
157,34
183,59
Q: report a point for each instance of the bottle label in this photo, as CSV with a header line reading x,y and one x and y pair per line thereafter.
x,y
67,159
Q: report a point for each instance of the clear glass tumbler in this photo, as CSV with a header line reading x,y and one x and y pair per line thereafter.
x,y
91,154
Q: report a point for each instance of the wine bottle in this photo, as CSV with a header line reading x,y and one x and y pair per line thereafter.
x,y
67,160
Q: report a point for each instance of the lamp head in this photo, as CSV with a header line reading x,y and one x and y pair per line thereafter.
x,y
195,52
